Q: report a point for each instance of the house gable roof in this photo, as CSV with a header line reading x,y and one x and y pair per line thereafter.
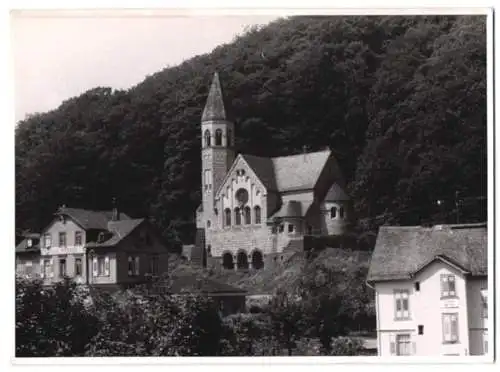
x,y
89,219
401,252
23,247
119,231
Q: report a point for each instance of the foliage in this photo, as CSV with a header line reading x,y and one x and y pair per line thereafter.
x,y
51,321
286,317
336,300
156,325
400,100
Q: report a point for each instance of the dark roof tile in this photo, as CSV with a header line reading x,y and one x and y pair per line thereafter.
x,y
401,251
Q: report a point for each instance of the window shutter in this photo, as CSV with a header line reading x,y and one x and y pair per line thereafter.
x,y
106,266
393,346
94,266
42,269
414,344
136,265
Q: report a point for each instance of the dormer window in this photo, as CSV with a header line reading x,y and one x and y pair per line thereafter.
x,y
30,243
101,237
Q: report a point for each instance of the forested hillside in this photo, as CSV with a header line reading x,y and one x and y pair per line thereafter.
x,y
400,100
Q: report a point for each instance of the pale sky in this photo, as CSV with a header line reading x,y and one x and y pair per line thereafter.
x,y
56,58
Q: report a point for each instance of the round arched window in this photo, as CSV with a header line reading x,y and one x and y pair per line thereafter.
x,y
241,196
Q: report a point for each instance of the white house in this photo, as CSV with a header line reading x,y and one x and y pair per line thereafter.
x,y
431,290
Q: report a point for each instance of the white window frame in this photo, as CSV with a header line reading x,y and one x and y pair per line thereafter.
x,y
399,339
47,240
80,235
81,265
60,261
63,234
445,281
447,320
399,296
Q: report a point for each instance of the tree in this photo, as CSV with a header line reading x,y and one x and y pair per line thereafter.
x,y
51,321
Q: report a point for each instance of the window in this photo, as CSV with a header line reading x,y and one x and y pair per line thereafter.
x,y
153,265
78,238
62,267
208,223
420,329
207,138
133,265
247,216
228,137
450,328
62,239
333,212
417,286
290,228
484,303
448,285
78,267
341,212
273,230
47,240
29,243
46,269
309,230
237,216
403,344
402,305
101,266
227,212
218,137
281,228
208,179
257,215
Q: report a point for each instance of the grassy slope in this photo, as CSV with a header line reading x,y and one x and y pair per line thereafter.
x,y
286,275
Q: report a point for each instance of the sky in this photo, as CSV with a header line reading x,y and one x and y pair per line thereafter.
x,y
56,57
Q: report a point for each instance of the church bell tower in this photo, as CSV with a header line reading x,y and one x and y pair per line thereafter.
x,y
217,154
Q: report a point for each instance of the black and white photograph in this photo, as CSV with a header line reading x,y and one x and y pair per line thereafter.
x,y
252,185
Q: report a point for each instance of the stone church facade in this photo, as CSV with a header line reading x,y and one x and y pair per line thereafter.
x,y
255,209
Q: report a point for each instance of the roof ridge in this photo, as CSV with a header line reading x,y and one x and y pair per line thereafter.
x,y
301,154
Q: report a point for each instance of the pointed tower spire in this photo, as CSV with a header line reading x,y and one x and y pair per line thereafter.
x,y
214,108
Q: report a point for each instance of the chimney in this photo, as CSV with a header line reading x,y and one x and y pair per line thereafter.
x,y
116,212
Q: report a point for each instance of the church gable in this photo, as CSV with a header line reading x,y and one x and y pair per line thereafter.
x,y
241,176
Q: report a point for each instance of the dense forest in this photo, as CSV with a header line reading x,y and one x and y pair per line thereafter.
x,y
400,100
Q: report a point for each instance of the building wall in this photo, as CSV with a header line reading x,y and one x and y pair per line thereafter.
x,y
70,252
478,326
134,246
338,224
426,309
31,260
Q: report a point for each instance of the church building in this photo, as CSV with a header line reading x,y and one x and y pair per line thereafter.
x,y
254,209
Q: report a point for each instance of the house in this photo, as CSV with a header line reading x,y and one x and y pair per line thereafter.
x,y
228,299
431,290
104,248
255,208
28,256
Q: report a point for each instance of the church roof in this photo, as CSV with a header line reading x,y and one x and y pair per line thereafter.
x,y
293,208
336,193
402,251
289,173
214,107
